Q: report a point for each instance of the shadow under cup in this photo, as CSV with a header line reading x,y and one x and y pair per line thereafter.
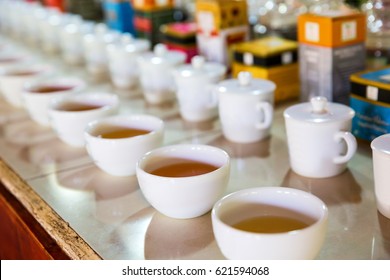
x,y
270,223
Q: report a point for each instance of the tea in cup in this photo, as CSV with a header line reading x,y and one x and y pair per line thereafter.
x,y
319,140
246,108
37,95
70,115
156,74
269,223
185,180
116,143
195,93
14,78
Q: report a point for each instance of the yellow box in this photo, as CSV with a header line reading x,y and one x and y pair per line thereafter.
x,y
151,5
332,29
266,52
285,77
213,16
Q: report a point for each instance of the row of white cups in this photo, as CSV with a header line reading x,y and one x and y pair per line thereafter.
x,y
318,137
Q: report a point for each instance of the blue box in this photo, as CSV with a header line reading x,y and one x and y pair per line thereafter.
x,y
370,98
119,15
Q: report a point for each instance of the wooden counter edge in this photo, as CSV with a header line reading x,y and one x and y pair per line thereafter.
x,y
69,241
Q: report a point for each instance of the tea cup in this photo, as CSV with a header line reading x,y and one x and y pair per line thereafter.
x,y
70,115
122,60
38,94
116,143
185,180
269,223
195,84
156,75
381,158
14,78
246,108
95,45
319,140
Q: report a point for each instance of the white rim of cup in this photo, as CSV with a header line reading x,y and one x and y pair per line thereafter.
x,y
91,126
216,208
165,151
75,83
83,97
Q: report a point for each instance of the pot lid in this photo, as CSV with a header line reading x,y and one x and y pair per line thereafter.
x,y
161,55
245,83
381,143
130,44
199,67
319,110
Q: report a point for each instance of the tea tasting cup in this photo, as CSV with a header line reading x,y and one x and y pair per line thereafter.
x,y
381,159
319,140
71,38
38,94
185,180
246,108
116,143
95,45
195,85
122,60
14,78
70,115
269,223
156,75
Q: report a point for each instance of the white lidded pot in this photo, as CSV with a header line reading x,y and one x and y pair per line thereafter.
x,y
196,84
156,75
319,140
122,60
246,108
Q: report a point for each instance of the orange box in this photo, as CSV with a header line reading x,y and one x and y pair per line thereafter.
x,y
151,5
336,29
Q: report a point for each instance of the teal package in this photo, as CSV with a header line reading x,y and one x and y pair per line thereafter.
x,y
371,120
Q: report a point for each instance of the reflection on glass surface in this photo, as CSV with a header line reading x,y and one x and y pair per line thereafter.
x,y
168,238
339,189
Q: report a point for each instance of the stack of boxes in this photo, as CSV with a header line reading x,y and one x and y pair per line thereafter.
x,y
271,58
370,98
149,16
118,15
331,48
180,36
220,23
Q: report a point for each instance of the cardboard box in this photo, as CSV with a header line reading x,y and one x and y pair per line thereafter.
x,y
326,71
332,29
152,5
370,98
271,58
119,15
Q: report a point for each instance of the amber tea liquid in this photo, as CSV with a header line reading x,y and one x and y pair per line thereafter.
x,y
122,132
75,107
270,224
183,168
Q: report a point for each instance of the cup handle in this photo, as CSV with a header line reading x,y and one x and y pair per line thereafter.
x,y
267,110
351,146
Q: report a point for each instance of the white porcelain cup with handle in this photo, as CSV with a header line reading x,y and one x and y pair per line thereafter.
x,y
195,84
246,108
381,161
319,140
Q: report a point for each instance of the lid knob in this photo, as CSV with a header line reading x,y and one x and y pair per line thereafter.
x,y
198,61
160,50
319,104
244,78
127,38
